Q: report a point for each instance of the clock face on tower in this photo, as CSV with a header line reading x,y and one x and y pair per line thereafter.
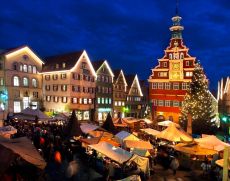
x,y
176,66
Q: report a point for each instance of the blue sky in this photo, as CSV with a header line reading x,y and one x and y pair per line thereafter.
x,y
130,34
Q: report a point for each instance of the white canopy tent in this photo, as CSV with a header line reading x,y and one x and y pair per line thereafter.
x,y
86,127
211,142
174,134
114,153
124,135
167,123
150,131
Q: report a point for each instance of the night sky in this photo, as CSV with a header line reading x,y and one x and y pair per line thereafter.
x,y
130,34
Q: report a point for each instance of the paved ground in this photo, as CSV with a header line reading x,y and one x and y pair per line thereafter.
x,y
167,175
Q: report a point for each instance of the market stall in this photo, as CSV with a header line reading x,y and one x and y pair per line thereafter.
x,y
123,135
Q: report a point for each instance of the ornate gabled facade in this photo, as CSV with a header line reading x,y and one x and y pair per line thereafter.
x,y
104,89
223,96
170,78
134,97
69,84
119,94
20,80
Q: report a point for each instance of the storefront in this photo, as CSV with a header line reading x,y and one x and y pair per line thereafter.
x,y
102,113
82,115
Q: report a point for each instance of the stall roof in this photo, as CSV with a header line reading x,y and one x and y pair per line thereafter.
x,y
167,123
174,134
150,131
194,149
86,127
124,135
211,142
24,148
138,144
114,153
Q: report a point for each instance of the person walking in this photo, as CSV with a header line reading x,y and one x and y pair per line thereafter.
x,y
174,165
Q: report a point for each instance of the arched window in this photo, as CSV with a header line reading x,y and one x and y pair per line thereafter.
x,y
34,83
16,81
20,67
29,69
170,56
15,66
181,55
25,82
25,69
34,69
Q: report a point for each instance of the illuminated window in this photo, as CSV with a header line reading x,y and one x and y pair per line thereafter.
x,y
34,83
63,76
74,100
85,100
34,69
184,86
181,55
48,98
115,103
35,94
110,100
25,68
176,86
176,104
1,81
25,82
55,76
123,103
167,86
57,66
17,106
20,67
99,100
90,101
154,85
29,69
47,87
162,74
167,103
80,100
170,56
64,87
55,99
106,100
16,81
188,74
119,103
160,85
64,99
165,64
102,100
160,103
63,65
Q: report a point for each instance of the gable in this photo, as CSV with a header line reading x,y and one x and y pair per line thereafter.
x,y
121,79
135,87
24,50
84,64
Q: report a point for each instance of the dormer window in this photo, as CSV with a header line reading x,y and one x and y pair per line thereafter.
x,y
63,65
181,55
170,56
164,64
57,66
83,65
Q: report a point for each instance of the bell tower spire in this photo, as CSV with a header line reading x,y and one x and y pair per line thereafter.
x,y
176,28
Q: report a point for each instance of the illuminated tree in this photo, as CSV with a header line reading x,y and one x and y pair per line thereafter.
x,y
198,103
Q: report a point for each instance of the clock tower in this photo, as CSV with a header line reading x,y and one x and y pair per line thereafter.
x,y
170,78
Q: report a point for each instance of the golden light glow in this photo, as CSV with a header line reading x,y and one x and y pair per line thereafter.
x,y
22,50
138,85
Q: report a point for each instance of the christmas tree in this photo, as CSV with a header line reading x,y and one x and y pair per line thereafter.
x,y
198,103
